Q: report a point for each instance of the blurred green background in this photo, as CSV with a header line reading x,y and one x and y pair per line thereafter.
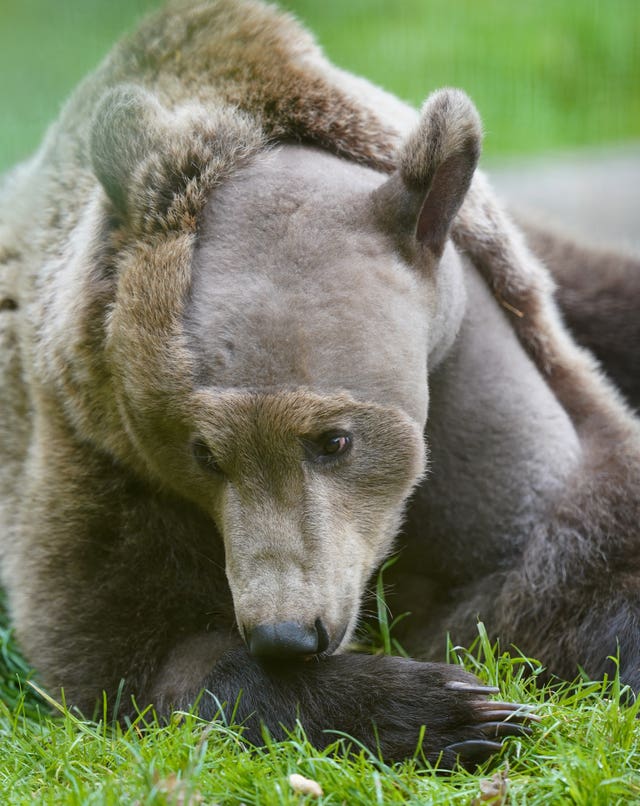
x,y
545,74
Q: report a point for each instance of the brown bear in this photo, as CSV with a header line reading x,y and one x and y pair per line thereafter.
x,y
231,309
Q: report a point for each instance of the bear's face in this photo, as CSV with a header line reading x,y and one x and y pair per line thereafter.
x,y
307,491
309,336
318,292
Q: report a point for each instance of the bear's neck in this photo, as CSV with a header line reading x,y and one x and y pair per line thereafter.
x,y
501,447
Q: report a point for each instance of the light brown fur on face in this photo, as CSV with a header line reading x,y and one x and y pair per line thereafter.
x,y
227,284
302,535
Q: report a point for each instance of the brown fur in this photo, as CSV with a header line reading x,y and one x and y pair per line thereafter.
x,y
598,292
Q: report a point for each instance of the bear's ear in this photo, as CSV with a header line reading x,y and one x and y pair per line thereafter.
x,y
128,124
436,164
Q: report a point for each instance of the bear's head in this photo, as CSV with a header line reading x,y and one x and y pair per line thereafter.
x,y
276,313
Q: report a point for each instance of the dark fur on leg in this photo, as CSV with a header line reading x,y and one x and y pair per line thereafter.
x,y
381,702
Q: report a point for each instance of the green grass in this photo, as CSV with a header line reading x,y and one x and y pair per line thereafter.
x,y
546,75
585,751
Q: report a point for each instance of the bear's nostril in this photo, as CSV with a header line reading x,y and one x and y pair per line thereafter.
x,y
288,639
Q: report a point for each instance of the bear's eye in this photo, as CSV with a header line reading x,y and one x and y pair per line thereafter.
x,y
204,457
335,444
328,446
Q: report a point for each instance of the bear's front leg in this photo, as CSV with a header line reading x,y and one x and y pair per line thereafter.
x,y
381,702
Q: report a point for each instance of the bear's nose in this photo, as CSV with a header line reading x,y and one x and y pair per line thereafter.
x,y
288,639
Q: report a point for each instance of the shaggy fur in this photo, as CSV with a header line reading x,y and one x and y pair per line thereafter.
x,y
197,315
598,293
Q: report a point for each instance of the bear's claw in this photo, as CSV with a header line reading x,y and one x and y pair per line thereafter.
x,y
474,751
505,729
